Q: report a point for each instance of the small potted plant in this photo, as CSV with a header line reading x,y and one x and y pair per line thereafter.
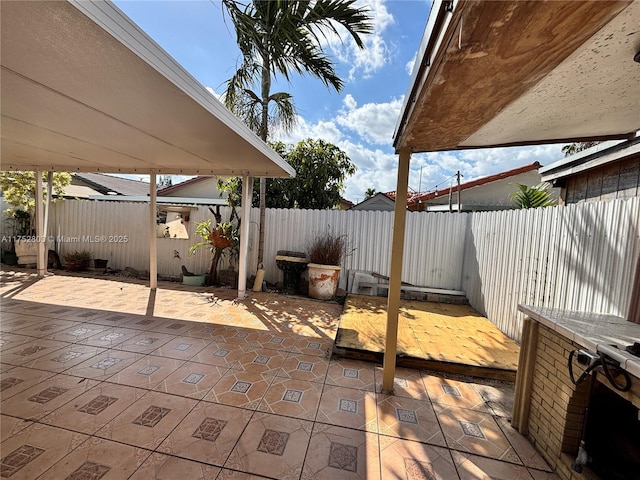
x,y
325,253
77,260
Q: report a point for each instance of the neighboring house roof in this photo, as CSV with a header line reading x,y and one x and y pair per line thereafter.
x,y
181,185
380,201
79,191
105,184
596,156
414,198
201,187
345,204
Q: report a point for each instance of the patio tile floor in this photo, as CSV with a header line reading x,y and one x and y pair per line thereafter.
x,y
247,392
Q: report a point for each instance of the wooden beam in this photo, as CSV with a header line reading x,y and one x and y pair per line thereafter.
x,y
395,275
524,376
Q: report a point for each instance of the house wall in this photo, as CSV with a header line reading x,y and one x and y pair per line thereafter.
x,y
494,193
577,257
204,189
614,180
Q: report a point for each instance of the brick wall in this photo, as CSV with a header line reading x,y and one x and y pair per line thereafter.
x,y
557,406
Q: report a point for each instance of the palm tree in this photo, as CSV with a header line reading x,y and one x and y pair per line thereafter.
x,y
532,197
279,37
369,193
574,148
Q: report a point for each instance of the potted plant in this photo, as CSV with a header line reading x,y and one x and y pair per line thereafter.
x,y
77,260
221,238
325,253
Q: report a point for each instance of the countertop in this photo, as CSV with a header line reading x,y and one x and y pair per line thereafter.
x,y
607,334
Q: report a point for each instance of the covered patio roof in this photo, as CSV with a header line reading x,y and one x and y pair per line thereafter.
x,y
85,89
514,72
523,72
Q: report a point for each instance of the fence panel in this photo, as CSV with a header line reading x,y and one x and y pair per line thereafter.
x,y
575,257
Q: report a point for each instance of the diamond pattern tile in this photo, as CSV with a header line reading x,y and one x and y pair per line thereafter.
x,y
417,470
193,378
106,363
349,406
148,370
292,396
89,471
471,429
406,416
210,429
9,382
47,394
207,385
151,416
241,387
273,442
343,457
97,405
17,459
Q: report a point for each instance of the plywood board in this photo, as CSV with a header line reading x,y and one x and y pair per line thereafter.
x,y
427,330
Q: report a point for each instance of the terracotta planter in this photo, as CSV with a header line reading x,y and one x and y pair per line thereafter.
x,y
77,265
323,281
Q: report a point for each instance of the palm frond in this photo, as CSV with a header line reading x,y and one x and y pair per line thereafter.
x,y
532,197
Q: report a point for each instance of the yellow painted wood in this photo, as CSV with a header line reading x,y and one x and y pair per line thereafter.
x,y
395,275
428,330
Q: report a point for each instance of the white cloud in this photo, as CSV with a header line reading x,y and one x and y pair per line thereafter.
x,y
364,133
376,53
373,122
325,130
214,93
410,64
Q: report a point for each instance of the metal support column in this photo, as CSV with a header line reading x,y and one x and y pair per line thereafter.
x,y
41,259
247,191
153,236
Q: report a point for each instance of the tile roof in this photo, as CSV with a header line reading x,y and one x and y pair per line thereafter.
x,y
413,198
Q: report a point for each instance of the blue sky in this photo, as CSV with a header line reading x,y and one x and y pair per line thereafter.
x,y
362,117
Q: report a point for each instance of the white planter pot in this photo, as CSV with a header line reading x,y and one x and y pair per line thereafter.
x,y
323,281
27,252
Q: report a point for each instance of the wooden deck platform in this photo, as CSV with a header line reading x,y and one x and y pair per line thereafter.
x,y
435,336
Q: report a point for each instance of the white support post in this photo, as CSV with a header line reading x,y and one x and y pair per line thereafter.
x,y
395,275
47,203
41,259
247,193
153,249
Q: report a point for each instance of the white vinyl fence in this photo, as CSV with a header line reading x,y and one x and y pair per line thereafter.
x,y
575,257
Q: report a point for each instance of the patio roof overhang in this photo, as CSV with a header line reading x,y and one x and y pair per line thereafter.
x,y
506,73
85,89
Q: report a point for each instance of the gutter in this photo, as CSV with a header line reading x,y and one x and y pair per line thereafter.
x,y
596,156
